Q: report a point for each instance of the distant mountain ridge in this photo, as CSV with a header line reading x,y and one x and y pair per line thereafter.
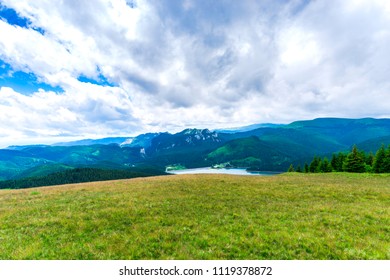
x,y
267,147
248,127
102,141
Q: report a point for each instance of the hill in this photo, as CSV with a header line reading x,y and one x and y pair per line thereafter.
x,y
302,140
289,216
43,170
13,162
189,147
374,144
250,152
275,148
43,160
345,131
102,141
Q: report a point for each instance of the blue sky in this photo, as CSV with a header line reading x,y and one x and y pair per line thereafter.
x,y
77,69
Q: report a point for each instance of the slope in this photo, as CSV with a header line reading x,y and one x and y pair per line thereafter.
x,y
250,152
290,216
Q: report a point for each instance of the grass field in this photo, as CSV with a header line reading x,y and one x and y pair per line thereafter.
x,y
289,216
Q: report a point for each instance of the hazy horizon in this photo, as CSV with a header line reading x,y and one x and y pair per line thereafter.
x,y
63,139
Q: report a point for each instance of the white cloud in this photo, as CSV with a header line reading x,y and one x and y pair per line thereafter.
x,y
89,110
195,63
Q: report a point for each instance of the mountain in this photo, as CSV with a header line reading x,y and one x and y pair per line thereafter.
x,y
102,141
12,162
372,145
39,160
344,131
248,128
267,147
86,155
22,147
252,153
42,170
188,147
143,140
184,140
300,141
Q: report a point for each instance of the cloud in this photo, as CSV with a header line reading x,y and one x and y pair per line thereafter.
x,y
171,64
334,62
84,110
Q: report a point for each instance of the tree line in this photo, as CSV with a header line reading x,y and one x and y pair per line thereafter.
x,y
78,175
356,161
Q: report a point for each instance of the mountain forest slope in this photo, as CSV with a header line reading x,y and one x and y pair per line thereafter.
x,y
266,147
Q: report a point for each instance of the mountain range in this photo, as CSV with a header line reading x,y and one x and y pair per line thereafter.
x,y
268,147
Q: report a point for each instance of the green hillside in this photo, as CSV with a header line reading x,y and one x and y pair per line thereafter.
x,y
43,160
42,170
77,155
289,216
301,143
274,147
250,152
345,131
13,163
374,144
189,147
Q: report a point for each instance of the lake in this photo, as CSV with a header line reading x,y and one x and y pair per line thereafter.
x,y
232,171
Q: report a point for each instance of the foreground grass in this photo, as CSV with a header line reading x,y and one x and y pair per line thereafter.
x,y
289,216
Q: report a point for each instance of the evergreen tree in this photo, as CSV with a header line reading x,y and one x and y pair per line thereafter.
x,y
299,169
326,166
291,168
333,162
314,164
379,160
306,169
386,161
354,161
319,166
370,159
337,162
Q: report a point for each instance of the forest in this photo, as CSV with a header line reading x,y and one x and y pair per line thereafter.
x,y
356,161
78,175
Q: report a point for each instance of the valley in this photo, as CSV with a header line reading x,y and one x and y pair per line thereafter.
x,y
264,147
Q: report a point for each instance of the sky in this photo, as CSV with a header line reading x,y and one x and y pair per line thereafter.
x,y
89,69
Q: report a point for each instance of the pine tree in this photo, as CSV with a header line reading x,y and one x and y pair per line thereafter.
x,y
299,169
338,161
370,159
326,166
386,161
333,162
319,166
314,164
354,161
306,169
379,160
291,168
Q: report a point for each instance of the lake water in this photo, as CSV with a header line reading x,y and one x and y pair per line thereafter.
x,y
232,171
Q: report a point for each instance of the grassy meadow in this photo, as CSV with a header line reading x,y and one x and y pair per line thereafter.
x,y
288,216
